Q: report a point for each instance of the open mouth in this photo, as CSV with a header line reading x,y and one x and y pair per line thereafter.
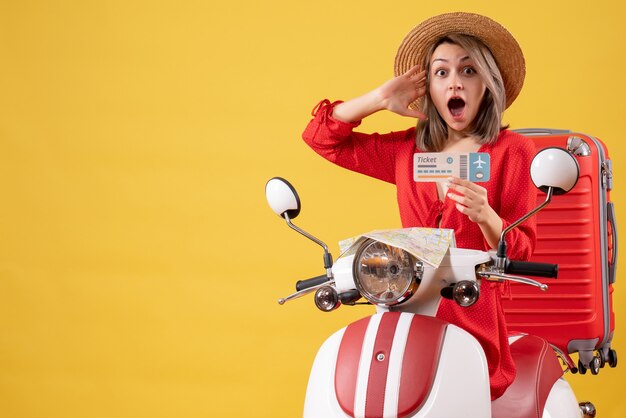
x,y
456,105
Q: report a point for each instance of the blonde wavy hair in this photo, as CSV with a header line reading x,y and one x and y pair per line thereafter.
x,y
432,133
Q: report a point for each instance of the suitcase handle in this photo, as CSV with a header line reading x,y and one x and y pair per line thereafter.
x,y
541,131
531,268
610,211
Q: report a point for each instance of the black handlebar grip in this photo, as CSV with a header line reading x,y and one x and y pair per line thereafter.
x,y
530,268
313,281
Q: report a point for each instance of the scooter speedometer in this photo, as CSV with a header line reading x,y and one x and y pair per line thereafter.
x,y
385,275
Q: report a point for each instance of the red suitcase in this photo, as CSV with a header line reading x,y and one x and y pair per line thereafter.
x,y
576,230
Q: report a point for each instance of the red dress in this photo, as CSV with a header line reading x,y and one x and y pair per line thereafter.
x,y
389,157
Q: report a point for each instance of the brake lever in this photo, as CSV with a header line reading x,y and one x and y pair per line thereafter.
x,y
501,276
303,292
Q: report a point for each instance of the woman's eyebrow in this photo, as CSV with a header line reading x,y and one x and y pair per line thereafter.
x,y
465,58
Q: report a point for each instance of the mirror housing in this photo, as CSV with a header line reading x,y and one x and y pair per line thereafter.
x,y
282,197
556,168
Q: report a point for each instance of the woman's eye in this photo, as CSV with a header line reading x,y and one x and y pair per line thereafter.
x,y
440,73
469,70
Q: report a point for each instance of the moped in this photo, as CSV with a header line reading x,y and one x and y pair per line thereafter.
x,y
404,362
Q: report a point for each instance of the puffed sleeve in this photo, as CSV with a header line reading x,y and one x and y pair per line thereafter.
x,y
371,154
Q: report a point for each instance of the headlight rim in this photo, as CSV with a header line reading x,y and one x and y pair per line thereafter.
x,y
410,289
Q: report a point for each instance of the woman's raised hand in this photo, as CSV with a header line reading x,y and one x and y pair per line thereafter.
x,y
398,93
395,95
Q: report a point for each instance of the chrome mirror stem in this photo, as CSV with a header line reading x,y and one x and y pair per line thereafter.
x,y
328,258
501,254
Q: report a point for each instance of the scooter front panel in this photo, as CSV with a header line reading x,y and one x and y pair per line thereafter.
x,y
386,364
460,386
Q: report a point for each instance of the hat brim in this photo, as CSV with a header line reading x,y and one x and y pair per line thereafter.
x,y
505,49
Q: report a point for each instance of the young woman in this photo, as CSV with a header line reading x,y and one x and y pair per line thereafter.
x,y
456,73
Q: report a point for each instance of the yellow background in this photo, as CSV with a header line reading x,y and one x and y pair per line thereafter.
x,y
139,263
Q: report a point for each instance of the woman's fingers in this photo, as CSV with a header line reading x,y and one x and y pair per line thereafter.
x,y
470,198
414,70
459,183
400,92
457,198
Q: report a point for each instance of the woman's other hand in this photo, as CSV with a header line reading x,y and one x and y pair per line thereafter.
x,y
471,200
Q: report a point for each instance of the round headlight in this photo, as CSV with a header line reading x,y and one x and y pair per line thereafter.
x,y
385,275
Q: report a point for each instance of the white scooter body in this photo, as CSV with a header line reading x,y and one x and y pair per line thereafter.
x,y
460,385
460,351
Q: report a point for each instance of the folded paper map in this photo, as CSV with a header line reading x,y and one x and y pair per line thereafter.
x,y
427,244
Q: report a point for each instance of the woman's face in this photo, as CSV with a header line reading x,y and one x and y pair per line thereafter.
x,y
456,89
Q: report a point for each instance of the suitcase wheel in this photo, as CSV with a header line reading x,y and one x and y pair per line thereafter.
x,y
608,356
594,364
597,362
603,358
612,358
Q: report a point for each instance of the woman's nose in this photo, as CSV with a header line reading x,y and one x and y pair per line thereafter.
x,y
455,83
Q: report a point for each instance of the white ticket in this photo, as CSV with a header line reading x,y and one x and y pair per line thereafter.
x,y
438,166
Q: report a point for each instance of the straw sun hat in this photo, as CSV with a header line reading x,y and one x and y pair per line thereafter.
x,y
503,46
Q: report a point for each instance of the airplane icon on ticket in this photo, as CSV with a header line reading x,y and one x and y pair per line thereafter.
x,y
479,163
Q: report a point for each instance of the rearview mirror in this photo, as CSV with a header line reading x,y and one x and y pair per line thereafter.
x,y
556,168
282,197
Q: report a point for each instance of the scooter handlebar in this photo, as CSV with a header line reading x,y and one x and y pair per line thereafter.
x,y
312,282
531,268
